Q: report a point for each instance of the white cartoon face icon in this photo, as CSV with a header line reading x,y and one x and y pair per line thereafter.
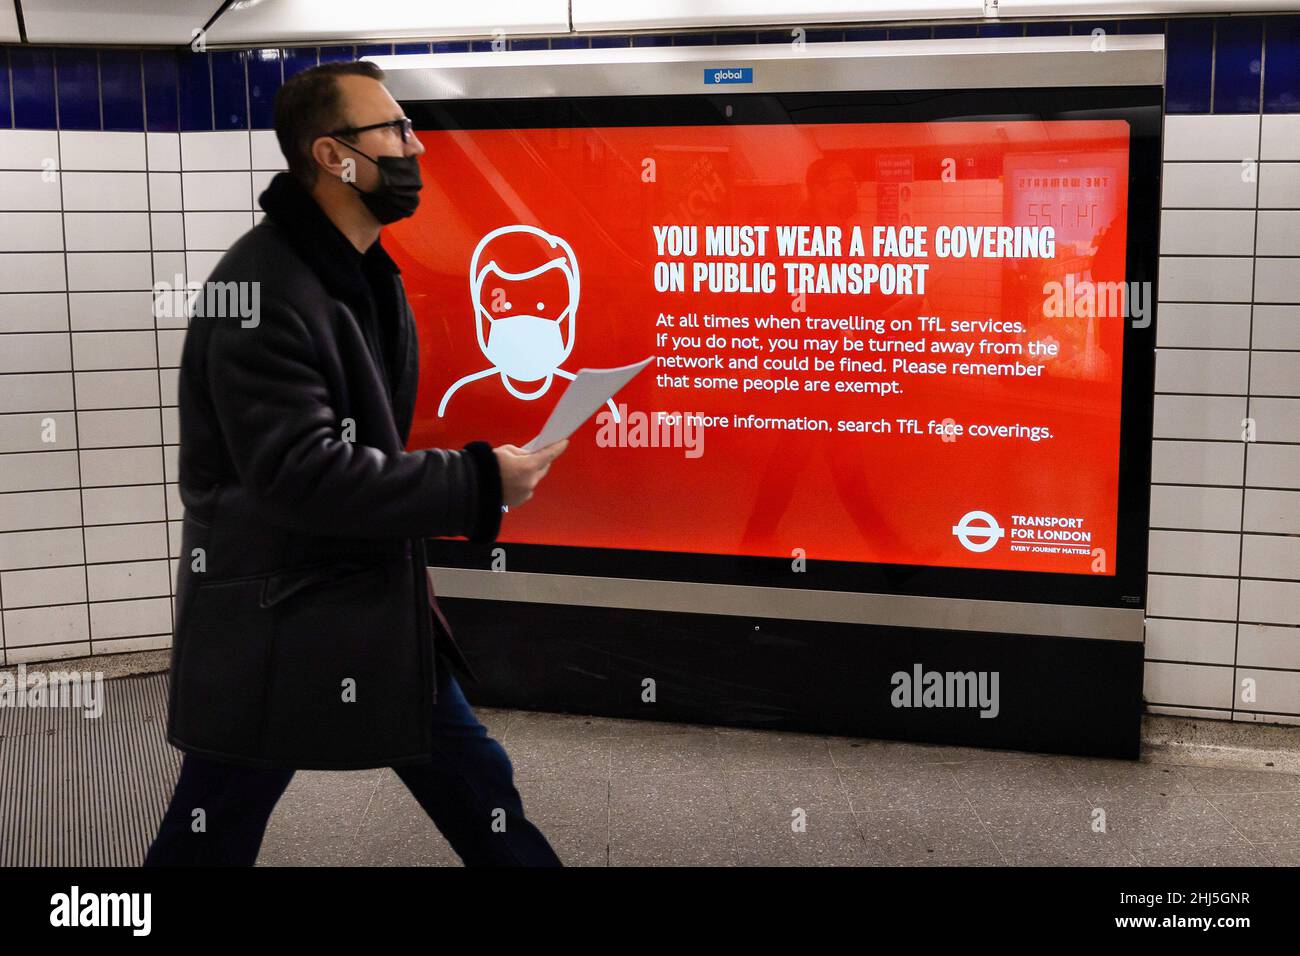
x,y
528,318
524,283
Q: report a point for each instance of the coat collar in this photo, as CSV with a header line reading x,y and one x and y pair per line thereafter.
x,y
328,253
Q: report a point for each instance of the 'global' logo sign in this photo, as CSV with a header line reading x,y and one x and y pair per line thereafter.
x,y
978,531
729,74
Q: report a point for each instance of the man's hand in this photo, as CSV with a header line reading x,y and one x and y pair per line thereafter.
x,y
522,470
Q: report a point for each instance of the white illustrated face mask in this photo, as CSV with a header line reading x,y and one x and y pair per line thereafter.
x,y
525,347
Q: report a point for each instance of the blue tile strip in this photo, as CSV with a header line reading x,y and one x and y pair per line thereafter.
x,y
264,79
161,92
230,89
1188,65
1002,29
32,78
1282,65
6,109
1238,60
337,54
195,92
1142,26
1213,65
1085,27
744,39
299,58
121,91
77,82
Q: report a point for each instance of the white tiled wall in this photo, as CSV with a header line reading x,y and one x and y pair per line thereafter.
x,y
1224,609
88,507
89,515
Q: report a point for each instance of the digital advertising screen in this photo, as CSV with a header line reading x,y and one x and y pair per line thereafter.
x,y
887,338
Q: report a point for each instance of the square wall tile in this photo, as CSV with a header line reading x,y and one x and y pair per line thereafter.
x,y
1224,138
39,549
100,350
103,152
1195,508
1223,185
1207,232
105,192
107,231
31,232
32,272
28,149
111,311
1197,642
1279,185
1188,685
1197,325
163,152
1197,598
1277,280
1280,137
1278,233
1273,466
1205,279
204,152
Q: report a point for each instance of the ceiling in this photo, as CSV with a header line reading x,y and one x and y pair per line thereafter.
x,y
255,22
271,22
290,21
114,21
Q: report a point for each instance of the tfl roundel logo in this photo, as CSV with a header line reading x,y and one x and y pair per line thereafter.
x,y
977,531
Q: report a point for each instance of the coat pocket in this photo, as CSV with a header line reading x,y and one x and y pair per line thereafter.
x,y
224,643
286,584
347,683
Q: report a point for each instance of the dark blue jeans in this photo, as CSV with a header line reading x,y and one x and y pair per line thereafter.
x,y
461,790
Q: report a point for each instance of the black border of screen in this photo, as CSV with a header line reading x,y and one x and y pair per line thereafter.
x,y
1140,106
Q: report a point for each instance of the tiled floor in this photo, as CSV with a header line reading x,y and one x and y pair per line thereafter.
x,y
631,793
620,792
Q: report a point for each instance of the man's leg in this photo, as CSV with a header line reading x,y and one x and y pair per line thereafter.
x,y
468,790
236,804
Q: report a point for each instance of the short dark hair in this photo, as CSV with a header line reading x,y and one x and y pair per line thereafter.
x,y
309,105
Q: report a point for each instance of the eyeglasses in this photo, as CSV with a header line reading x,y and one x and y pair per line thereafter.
x,y
403,125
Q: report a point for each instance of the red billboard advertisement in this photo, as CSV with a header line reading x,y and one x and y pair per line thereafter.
x,y
893,343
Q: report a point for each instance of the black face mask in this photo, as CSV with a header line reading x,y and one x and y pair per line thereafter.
x,y
398,194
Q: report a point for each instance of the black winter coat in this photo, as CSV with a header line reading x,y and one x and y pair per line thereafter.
x,y
306,631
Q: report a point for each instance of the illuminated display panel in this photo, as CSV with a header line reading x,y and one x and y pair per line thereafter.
x,y
889,335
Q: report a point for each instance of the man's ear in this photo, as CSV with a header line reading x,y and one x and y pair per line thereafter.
x,y
329,157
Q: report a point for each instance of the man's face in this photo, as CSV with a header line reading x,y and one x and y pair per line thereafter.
x,y
366,101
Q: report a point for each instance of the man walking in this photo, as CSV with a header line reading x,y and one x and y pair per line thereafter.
x,y
307,636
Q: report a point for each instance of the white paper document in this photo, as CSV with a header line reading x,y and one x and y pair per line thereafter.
x,y
590,389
